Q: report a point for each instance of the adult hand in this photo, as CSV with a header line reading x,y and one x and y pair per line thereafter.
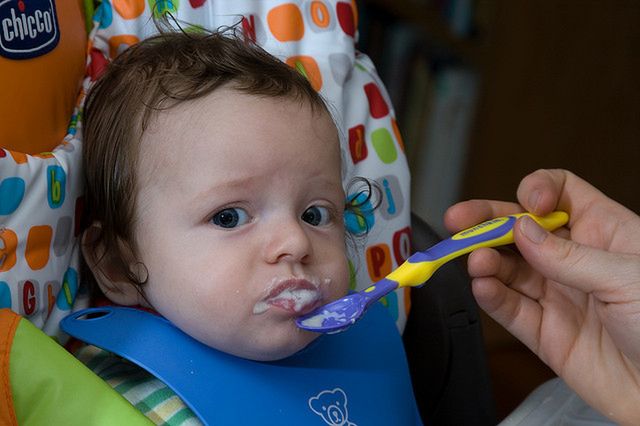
x,y
573,296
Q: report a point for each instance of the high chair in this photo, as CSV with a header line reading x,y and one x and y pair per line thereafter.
x,y
41,200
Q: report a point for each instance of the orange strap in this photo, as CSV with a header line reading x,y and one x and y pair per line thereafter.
x,y
38,94
9,321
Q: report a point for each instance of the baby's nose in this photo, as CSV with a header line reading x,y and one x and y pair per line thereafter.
x,y
288,242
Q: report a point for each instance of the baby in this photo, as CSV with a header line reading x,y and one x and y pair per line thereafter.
x,y
214,192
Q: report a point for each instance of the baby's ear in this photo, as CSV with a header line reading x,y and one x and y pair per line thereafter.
x,y
112,270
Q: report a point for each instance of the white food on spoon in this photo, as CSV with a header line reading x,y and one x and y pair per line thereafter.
x,y
316,321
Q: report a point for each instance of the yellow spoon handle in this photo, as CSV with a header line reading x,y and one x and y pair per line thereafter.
x,y
492,233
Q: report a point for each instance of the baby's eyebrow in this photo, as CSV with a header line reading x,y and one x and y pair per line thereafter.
x,y
324,184
246,183
231,184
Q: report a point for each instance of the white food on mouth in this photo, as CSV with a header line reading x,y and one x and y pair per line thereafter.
x,y
300,298
260,307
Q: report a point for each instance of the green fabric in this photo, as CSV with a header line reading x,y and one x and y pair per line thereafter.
x,y
51,387
89,9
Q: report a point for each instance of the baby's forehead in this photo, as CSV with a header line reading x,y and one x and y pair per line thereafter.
x,y
223,118
174,117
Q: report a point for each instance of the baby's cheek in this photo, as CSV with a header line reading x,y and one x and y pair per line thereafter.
x,y
345,280
340,283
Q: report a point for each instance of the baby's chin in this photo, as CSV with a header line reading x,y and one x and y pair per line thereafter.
x,y
273,348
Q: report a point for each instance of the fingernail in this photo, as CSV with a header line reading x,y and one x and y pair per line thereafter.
x,y
532,230
534,198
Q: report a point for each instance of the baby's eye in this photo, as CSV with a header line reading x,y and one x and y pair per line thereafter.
x,y
316,216
230,218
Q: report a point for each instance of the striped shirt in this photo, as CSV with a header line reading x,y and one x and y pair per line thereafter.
x,y
143,390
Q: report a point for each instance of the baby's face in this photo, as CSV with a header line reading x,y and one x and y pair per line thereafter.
x,y
240,220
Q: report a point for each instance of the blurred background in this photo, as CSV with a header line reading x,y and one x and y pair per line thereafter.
x,y
487,91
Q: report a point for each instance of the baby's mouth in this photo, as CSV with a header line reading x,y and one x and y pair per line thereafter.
x,y
294,295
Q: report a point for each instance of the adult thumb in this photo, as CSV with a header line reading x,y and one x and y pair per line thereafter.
x,y
570,263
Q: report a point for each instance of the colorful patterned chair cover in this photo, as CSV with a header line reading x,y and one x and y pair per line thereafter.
x,y
42,61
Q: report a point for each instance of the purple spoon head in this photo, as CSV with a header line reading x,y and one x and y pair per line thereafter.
x,y
334,317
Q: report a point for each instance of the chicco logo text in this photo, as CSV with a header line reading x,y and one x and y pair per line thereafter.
x,y
28,28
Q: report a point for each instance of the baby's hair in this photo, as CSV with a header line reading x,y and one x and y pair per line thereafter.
x,y
155,75
363,199
365,196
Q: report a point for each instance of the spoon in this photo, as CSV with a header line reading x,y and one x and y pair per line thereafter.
x,y
414,272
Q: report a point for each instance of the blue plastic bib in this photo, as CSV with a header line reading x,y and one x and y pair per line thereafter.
x,y
358,377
